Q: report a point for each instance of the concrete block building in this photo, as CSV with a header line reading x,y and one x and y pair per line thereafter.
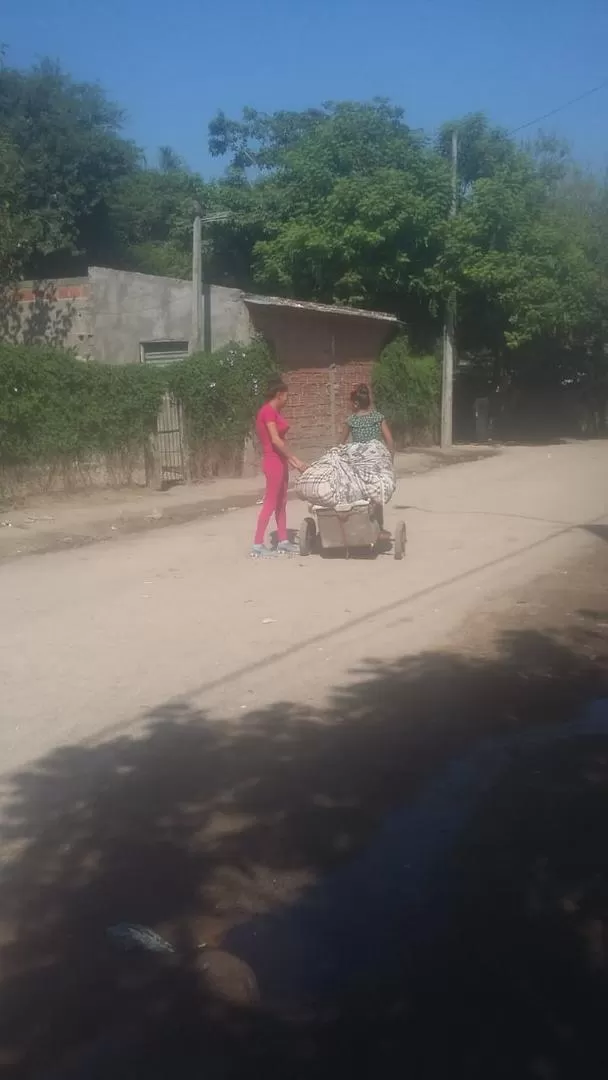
x,y
117,317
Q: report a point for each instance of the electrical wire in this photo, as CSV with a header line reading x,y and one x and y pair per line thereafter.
x,y
566,105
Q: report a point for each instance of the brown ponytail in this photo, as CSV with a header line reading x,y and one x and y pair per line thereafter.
x,y
361,397
277,386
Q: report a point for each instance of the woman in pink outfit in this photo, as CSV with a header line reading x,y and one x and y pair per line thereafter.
x,y
271,428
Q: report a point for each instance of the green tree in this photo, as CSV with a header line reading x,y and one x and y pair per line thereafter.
x,y
348,202
65,137
407,388
261,139
150,215
169,161
523,257
344,203
17,229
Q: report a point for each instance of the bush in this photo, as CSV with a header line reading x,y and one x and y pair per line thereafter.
x,y
407,389
58,410
221,391
55,408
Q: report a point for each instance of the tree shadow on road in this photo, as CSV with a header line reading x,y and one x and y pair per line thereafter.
x,y
601,531
198,827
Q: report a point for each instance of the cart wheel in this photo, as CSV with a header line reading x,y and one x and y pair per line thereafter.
x,y
307,536
400,540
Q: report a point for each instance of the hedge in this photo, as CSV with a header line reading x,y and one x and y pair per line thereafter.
x,y
407,387
55,408
221,391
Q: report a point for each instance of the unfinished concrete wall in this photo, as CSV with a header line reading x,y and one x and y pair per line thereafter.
x,y
229,318
109,314
129,309
48,312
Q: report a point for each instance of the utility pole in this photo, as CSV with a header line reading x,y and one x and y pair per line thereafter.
x,y
198,314
447,383
196,343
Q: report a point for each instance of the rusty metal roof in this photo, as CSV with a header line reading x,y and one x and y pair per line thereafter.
x,y
324,309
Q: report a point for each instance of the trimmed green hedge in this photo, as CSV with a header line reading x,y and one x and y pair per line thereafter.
x,y
221,391
54,407
408,390
57,408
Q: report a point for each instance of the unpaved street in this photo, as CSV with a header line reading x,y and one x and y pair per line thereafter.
x,y
96,640
197,742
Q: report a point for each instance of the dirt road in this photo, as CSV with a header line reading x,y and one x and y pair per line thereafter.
x,y
95,641
191,740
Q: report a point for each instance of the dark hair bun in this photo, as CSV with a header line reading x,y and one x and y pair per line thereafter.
x,y
361,396
277,386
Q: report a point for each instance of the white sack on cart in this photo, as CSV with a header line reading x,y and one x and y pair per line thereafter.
x,y
348,474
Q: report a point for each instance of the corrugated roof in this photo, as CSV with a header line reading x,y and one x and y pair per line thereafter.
x,y
326,309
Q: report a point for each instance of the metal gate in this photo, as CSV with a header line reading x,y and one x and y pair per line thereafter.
x,y
165,462
170,441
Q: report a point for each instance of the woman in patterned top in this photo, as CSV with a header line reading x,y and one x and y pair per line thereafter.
x,y
365,425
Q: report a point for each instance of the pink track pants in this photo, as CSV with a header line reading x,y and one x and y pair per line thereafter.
x,y
276,472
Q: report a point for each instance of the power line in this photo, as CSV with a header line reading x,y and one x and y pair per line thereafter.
x,y
566,105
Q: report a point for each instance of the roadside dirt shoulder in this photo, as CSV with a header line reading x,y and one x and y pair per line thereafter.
x,y
56,522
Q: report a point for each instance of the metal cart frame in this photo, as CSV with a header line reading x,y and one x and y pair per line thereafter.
x,y
350,529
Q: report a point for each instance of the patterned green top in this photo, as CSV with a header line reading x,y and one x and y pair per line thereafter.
x,y
365,427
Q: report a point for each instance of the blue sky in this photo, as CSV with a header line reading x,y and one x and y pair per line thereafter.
x,y
172,65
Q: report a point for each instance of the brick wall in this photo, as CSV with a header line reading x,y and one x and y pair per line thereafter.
x,y
56,312
323,357
76,290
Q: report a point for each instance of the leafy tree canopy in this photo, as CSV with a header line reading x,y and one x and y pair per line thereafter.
x,y
66,138
344,203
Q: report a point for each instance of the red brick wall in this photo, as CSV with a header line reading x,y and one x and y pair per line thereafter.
x,y
51,292
52,311
306,345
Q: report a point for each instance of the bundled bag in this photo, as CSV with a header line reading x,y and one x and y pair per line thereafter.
x,y
357,472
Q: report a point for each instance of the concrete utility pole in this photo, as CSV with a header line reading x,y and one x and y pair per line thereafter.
x,y
197,341
447,387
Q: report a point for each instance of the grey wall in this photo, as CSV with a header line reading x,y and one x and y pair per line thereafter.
x,y
230,319
126,309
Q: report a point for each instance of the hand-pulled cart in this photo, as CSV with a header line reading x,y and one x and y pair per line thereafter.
x,y
351,529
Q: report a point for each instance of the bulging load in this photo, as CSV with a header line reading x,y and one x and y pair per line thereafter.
x,y
354,473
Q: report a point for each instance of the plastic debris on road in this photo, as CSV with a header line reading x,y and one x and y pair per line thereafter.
x,y
130,936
